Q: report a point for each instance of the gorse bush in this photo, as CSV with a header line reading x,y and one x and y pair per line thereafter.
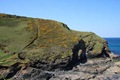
x,y
54,33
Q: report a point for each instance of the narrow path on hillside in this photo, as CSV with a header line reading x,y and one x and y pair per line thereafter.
x,y
36,25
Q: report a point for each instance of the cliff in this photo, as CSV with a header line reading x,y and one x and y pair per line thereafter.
x,y
45,44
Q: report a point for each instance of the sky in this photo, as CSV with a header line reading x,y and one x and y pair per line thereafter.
x,y
99,16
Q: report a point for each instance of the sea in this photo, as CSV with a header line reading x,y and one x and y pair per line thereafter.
x,y
114,45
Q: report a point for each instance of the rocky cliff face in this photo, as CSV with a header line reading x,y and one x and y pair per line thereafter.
x,y
45,44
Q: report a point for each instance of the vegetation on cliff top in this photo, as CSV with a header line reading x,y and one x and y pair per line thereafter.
x,y
32,39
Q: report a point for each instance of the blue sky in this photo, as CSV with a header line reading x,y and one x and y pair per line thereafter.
x,y
99,16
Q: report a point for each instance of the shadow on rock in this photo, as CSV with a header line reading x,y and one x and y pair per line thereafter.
x,y
79,55
15,68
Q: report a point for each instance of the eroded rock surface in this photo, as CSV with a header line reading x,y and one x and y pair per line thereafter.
x,y
94,69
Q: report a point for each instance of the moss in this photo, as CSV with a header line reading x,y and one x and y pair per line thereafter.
x,y
1,77
98,47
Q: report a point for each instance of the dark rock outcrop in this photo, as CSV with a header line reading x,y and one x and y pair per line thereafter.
x,y
94,69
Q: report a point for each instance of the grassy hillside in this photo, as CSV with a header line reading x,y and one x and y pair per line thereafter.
x,y
54,38
27,40
14,36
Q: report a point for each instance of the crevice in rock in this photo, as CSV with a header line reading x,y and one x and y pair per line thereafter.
x,y
14,69
103,54
79,54
4,67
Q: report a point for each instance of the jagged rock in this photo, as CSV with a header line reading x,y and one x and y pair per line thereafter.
x,y
33,74
93,69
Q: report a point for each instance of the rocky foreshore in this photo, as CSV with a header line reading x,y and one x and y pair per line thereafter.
x,y
93,69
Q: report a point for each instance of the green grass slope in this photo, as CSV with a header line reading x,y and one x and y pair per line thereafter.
x,y
28,40
14,36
